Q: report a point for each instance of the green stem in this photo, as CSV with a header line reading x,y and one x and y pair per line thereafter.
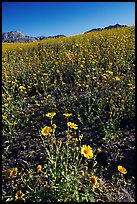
x,y
42,141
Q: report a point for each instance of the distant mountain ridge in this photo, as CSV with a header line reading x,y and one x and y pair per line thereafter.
x,y
106,28
15,36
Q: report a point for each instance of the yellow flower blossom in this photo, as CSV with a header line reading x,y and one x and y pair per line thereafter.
x,y
85,167
6,104
39,168
67,115
74,139
46,130
11,172
49,95
69,136
54,126
72,125
4,117
14,171
122,169
99,149
37,104
123,101
19,195
82,173
60,143
22,88
9,99
117,78
93,180
87,151
15,123
58,71
51,115
110,72
63,83
104,76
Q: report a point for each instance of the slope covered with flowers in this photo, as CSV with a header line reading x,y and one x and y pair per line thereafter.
x,y
62,99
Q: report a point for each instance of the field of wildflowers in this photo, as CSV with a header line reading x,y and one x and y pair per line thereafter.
x,y
68,113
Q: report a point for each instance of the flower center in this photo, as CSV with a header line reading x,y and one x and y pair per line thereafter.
x,y
46,130
93,180
86,151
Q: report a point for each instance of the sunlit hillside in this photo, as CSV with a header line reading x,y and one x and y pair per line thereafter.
x,y
68,114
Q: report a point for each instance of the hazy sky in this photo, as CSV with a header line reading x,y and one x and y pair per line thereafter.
x,y
67,18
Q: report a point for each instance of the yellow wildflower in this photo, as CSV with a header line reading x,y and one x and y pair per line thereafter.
x,y
119,96
82,173
37,104
58,71
49,95
93,69
110,113
93,180
69,136
122,169
42,101
123,101
72,125
104,76
4,117
19,195
99,150
75,139
39,168
63,83
6,104
67,115
54,126
117,78
87,151
46,130
9,99
11,172
110,72
51,115
22,88
14,171
60,143
85,167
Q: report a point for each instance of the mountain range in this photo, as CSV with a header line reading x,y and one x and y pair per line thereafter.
x,y
15,36
106,28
